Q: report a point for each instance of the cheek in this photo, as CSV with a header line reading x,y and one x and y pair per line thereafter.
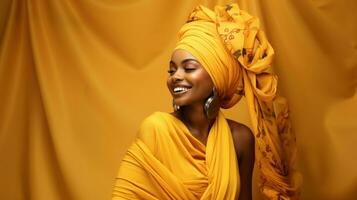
x,y
168,83
204,84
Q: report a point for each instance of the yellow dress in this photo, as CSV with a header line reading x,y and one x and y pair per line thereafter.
x,y
167,162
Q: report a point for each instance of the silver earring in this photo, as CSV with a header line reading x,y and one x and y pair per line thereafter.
x,y
176,107
211,106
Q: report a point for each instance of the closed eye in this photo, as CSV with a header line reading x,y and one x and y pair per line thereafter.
x,y
190,69
171,71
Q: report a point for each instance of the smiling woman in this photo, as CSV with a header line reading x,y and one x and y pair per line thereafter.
x,y
195,152
189,83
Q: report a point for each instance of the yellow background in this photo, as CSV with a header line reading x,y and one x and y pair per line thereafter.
x,y
78,76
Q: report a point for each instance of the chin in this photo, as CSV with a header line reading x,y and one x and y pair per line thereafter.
x,y
185,102
182,101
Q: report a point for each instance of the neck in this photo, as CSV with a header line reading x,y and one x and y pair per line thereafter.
x,y
195,119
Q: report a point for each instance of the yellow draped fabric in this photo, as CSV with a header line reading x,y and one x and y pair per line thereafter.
x,y
235,52
167,162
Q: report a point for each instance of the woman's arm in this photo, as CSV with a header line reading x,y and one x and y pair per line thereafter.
x,y
244,144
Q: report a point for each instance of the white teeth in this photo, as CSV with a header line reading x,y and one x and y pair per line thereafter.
x,y
180,89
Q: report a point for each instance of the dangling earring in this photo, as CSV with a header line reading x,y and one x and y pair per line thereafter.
x,y
176,107
211,106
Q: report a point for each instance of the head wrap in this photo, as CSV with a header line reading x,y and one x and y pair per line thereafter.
x,y
234,51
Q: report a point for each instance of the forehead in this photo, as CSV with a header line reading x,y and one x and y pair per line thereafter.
x,y
181,54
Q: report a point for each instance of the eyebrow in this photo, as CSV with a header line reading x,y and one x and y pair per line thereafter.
x,y
184,61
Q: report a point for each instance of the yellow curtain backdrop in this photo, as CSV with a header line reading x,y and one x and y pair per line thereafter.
x,y
78,76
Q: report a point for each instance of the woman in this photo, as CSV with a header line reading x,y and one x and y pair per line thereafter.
x,y
195,152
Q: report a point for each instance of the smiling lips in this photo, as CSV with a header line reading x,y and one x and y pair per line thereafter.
x,y
180,90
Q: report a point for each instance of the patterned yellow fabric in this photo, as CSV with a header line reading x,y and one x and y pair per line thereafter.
x,y
238,57
167,162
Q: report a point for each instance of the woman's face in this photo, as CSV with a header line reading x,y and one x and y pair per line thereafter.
x,y
188,81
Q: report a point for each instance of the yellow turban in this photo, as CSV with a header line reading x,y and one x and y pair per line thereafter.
x,y
234,51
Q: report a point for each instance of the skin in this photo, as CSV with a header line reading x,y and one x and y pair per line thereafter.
x,y
185,70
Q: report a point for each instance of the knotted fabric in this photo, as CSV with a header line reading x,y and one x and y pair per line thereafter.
x,y
230,45
167,162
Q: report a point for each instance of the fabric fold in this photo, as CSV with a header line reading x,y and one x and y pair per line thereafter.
x,y
179,167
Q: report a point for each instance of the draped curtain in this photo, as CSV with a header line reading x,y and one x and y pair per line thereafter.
x,y
78,76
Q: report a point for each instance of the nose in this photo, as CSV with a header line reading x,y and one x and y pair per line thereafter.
x,y
178,75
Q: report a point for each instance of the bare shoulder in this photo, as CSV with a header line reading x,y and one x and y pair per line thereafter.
x,y
244,143
243,138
